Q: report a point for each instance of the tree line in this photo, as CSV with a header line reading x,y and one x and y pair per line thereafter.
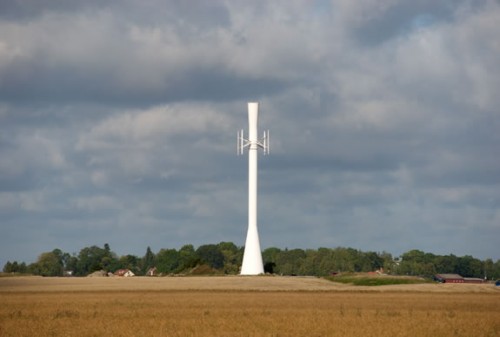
x,y
226,258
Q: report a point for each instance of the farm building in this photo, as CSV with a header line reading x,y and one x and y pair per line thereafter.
x,y
455,278
473,280
449,278
124,273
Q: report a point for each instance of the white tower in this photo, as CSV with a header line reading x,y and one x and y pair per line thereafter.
x,y
252,257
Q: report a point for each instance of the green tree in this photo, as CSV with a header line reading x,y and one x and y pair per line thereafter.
x,y
489,270
311,264
94,258
49,264
496,272
89,260
347,259
289,262
271,254
327,262
167,261
388,262
130,262
469,267
445,264
211,255
7,268
414,262
369,261
187,258
70,263
232,257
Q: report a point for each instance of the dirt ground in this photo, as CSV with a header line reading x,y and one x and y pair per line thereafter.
x,y
220,283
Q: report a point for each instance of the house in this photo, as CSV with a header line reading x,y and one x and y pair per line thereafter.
x,y
124,273
152,272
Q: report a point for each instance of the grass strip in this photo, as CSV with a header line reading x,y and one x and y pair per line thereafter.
x,y
374,280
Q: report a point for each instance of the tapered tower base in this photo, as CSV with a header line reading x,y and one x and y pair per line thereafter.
x,y
252,257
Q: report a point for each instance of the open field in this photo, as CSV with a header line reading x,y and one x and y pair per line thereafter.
x,y
239,283
242,306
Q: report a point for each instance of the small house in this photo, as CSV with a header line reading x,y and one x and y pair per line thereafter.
x,y
124,273
152,272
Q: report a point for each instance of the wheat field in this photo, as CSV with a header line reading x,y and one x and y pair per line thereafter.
x,y
92,309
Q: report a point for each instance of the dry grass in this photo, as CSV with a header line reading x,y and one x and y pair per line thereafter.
x,y
83,311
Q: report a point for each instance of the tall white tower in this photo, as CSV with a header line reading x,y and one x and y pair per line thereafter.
x,y
252,257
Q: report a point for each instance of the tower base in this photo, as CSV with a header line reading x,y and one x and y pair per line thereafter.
x,y
252,257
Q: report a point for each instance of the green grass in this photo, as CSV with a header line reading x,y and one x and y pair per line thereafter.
x,y
374,280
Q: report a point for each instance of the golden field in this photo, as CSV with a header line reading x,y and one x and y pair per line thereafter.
x,y
242,306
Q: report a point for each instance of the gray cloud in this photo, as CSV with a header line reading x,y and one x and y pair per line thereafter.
x,y
118,123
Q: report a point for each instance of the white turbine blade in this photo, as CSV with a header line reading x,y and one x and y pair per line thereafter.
x,y
267,142
242,139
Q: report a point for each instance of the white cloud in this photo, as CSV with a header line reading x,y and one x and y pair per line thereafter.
x,y
96,203
154,128
383,118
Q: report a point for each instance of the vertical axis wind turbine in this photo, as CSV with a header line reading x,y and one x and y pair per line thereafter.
x,y
252,257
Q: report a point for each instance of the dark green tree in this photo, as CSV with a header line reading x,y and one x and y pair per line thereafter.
x,y
445,264
211,255
148,261
94,258
388,262
187,258
167,261
269,267
469,266
70,263
371,261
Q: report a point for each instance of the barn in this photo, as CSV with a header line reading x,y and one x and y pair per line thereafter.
x,y
455,278
473,280
449,278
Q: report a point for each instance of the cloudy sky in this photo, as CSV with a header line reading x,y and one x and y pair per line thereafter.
x,y
118,124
